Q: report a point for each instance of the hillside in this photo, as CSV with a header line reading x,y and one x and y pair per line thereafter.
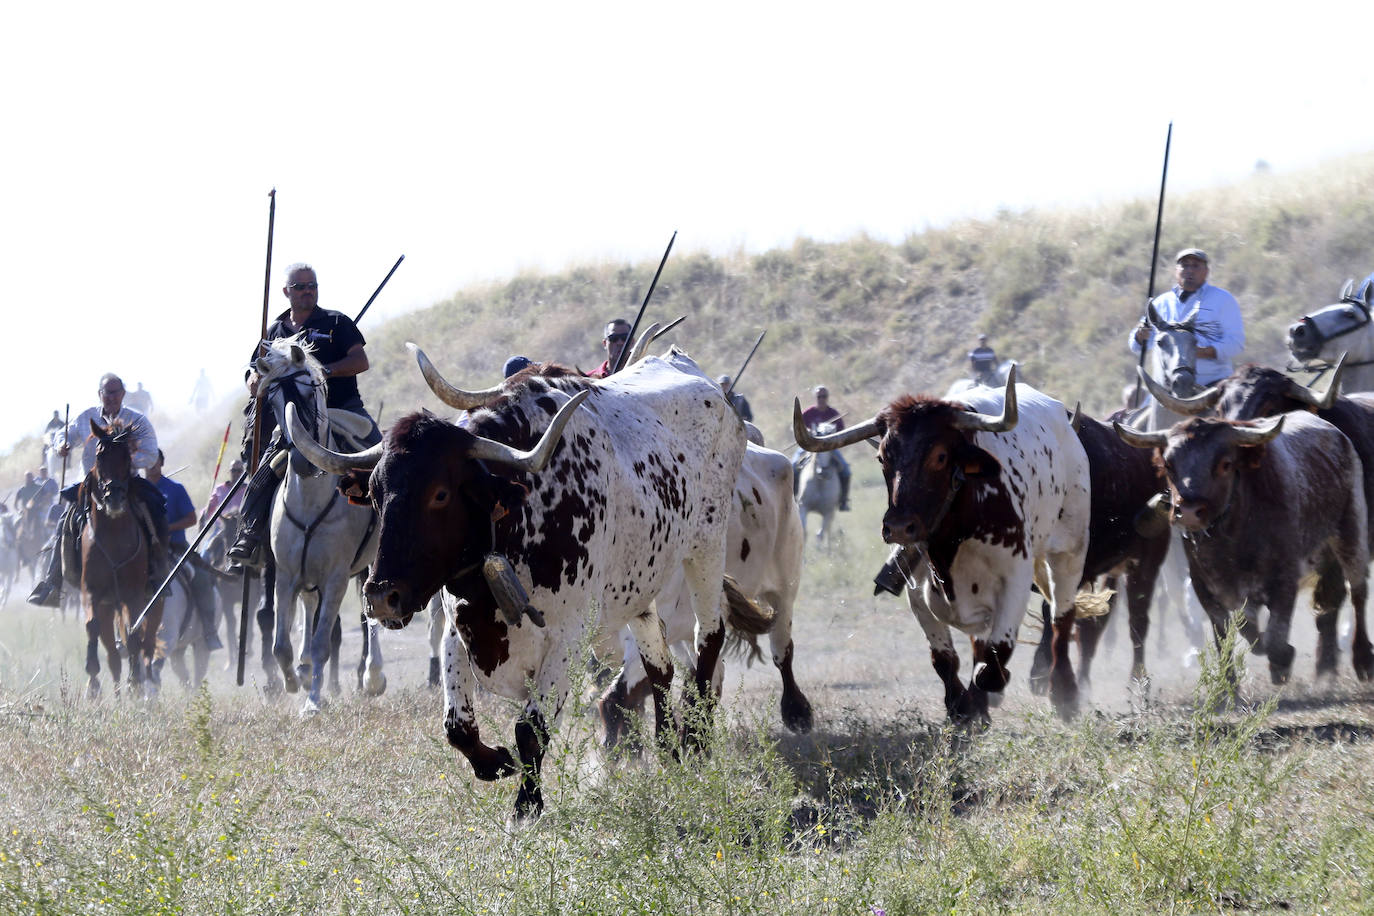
x,y
1055,290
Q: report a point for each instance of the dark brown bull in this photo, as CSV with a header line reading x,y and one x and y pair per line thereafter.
x,y
1122,545
1259,504
1256,392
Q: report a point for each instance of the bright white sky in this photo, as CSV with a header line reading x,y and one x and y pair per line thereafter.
x,y
141,139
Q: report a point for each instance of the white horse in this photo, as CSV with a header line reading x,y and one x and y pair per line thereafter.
x,y
319,540
1319,339
818,488
181,630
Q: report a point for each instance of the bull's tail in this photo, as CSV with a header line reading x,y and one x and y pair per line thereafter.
x,y
747,620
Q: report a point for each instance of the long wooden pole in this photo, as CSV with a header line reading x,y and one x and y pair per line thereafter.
x,y
1154,254
629,341
255,450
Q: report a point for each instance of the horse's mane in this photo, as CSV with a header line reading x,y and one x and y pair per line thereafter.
x,y
281,347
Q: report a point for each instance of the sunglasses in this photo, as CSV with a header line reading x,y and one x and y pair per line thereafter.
x,y
297,287
617,338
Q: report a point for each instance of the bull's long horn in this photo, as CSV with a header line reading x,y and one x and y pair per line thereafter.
x,y
1193,406
986,422
1327,398
641,346
453,397
534,460
1076,421
813,443
1258,435
324,458
1139,439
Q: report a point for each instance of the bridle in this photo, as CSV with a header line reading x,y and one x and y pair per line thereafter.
x,y
1321,340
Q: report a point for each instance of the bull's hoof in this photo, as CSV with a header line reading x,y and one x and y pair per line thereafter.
x,y
969,712
1326,662
375,684
498,764
796,713
1362,657
990,676
529,804
1281,663
1039,681
434,672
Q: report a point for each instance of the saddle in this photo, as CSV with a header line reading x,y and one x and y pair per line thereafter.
x,y
70,535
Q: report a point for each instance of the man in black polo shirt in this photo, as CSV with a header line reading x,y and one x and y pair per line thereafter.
x,y
338,345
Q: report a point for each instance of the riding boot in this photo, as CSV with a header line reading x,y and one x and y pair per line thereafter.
x,y
257,506
844,492
47,592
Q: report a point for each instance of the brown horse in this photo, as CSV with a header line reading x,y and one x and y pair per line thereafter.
x,y
114,567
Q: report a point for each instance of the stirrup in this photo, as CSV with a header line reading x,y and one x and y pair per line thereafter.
x,y
45,594
246,555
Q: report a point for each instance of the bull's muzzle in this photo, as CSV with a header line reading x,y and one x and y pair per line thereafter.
x,y
389,603
1192,515
903,528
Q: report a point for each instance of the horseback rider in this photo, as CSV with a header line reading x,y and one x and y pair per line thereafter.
x,y
143,453
817,414
1218,327
339,346
617,339
983,363
181,515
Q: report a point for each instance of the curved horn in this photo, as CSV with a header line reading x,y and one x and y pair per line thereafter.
x,y
1327,398
1348,291
981,422
534,460
1193,406
453,397
1138,439
1258,435
641,347
813,443
1076,421
323,458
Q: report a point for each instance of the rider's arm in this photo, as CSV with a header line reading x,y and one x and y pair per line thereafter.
x,y
145,443
1231,341
353,363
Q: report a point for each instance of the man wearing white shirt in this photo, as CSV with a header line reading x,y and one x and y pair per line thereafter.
x,y
1218,327
143,452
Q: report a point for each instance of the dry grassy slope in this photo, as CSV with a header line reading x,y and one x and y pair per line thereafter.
x,y
1056,290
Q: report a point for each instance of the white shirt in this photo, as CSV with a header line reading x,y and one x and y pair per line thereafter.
x,y
143,451
1218,325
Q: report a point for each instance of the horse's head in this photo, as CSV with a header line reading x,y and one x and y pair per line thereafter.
x,y
289,374
823,463
1315,336
114,467
1176,347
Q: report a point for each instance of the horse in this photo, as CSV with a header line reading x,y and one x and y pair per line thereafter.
x,y
1318,340
319,539
181,629
115,550
818,488
996,378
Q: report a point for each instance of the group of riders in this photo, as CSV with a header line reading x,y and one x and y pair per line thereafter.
x,y
338,345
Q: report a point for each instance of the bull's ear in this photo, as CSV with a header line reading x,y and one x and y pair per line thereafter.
x,y
1250,456
977,463
501,496
354,487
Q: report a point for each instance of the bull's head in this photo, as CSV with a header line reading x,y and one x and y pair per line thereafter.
x,y
927,452
435,499
1202,458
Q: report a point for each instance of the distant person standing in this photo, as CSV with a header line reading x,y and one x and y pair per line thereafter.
x,y
737,400
616,339
139,399
202,393
1218,326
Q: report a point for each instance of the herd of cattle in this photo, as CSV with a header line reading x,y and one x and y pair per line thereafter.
x,y
633,515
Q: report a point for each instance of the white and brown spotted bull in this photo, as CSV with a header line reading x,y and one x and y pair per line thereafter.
x,y
763,555
594,493
1256,392
1260,503
992,490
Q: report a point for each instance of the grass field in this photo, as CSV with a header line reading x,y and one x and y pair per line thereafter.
x,y
226,801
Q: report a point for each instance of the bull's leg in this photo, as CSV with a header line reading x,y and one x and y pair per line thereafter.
x,y
460,719
614,705
703,575
990,671
657,665
1065,572
1283,594
1327,597
945,660
531,738
796,708
1044,653
436,635
1361,652
1140,586
1353,554
1090,630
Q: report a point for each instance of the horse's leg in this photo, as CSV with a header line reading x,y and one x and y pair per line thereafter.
x,y
110,639
92,650
285,606
375,683
335,645
317,643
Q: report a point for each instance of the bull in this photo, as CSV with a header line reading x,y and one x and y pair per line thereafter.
x,y
1259,503
992,491
1256,392
590,494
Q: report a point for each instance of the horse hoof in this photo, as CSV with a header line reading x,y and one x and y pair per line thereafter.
x,y
310,710
291,685
93,689
376,685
